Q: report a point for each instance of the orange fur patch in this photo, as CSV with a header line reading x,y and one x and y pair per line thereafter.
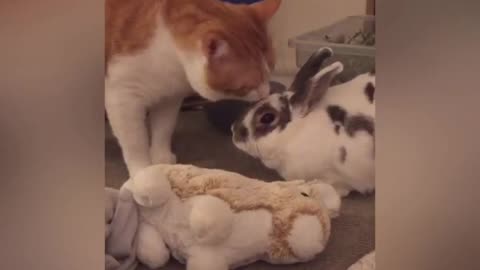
x,y
250,49
131,24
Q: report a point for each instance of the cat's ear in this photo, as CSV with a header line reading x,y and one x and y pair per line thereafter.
x,y
215,47
265,9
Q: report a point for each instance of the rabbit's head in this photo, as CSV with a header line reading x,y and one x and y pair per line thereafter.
x,y
262,125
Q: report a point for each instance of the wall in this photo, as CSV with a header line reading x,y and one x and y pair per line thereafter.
x,y
299,16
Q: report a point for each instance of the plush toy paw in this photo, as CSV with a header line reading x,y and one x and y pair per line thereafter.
x,y
307,238
205,259
151,250
211,219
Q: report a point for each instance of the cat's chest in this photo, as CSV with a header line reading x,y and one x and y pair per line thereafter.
x,y
153,73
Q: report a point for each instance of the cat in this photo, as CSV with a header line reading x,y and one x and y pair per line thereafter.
x,y
157,52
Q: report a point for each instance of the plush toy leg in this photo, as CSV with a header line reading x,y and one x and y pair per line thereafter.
x,y
151,249
211,220
307,238
206,260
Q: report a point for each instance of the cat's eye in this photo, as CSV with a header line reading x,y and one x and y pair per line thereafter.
x,y
267,118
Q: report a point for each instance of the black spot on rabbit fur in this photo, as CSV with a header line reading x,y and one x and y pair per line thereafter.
x,y
337,129
337,114
343,154
240,132
282,118
358,123
285,113
370,92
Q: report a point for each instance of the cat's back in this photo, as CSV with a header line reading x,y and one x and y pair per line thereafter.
x,y
129,25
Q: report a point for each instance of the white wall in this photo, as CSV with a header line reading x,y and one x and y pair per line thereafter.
x,y
299,16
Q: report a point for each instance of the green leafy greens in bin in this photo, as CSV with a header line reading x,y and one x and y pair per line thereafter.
x,y
358,38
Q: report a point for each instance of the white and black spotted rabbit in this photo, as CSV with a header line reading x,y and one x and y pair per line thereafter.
x,y
316,131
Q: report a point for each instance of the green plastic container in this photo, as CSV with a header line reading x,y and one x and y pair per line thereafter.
x,y
352,40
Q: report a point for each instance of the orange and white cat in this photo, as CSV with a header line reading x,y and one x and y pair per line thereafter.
x,y
160,51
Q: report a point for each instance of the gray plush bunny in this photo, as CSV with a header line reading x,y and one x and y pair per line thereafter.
x,y
121,222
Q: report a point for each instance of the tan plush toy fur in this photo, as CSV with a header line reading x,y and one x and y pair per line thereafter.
x,y
214,219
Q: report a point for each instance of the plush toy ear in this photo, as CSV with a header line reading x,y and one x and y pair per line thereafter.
x,y
265,9
121,227
310,85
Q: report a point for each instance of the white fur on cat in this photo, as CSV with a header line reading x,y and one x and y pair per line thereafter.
x,y
155,80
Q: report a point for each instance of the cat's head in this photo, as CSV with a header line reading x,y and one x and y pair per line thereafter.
x,y
225,48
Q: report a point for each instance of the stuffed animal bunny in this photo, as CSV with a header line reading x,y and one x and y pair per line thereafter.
x,y
316,131
219,220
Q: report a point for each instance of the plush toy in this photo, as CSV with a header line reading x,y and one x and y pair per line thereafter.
x,y
218,220
367,262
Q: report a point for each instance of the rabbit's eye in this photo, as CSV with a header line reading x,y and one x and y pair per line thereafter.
x,y
267,118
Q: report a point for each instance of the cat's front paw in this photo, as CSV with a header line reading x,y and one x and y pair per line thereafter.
x,y
163,157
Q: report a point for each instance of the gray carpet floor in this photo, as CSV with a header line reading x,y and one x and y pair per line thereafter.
x,y
197,142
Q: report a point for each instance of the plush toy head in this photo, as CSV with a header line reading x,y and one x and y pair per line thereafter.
x,y
324,193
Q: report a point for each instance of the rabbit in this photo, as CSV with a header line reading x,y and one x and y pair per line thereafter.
x,y
315,131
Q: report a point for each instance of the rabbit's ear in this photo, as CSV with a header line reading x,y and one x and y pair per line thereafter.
x,y
313,91
309,69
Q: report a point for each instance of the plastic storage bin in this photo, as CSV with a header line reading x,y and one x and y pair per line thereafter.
x,y
352,40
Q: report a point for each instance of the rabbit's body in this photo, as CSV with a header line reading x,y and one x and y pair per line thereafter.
x,y
314,149
330,138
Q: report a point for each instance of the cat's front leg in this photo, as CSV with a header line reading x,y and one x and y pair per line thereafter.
x,y
127,114
163,118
